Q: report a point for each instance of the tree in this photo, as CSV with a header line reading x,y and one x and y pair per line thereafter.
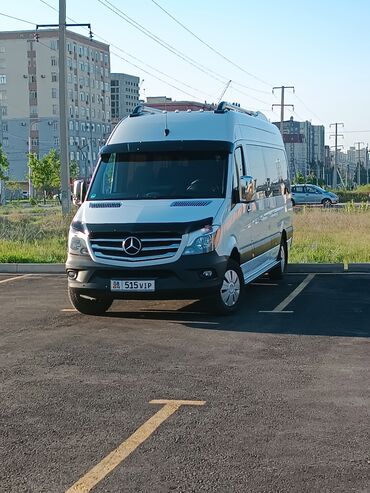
x,y
4,164
45,172
299,178
4,167
15,189
74,170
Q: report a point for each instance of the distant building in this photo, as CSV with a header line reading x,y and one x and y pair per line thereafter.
x,y
29,98
305,147
124,95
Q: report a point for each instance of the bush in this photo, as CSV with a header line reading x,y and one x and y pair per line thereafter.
x,y
353,195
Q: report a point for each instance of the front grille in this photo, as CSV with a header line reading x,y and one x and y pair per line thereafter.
x,y
154,246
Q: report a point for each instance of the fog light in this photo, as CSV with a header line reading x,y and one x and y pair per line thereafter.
x,y
207,274
72,274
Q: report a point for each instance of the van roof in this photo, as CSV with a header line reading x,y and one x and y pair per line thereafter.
x,y
227,123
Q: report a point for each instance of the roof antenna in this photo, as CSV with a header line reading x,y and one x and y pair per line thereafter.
x,y
166,130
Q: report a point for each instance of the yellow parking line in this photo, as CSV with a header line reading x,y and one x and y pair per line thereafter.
x,y
14,278
290,298
112,460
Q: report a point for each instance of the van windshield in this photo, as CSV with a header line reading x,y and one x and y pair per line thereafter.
x,y
153,175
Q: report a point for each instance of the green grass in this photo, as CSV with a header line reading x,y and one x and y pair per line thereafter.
x,y
33,235
331,235
39,234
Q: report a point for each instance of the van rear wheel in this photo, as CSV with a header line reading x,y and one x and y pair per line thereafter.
x,y
228,299
87,305
278,271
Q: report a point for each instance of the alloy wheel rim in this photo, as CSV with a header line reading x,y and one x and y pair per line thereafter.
x,y
230,289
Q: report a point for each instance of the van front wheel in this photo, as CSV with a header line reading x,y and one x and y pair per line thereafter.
x,y
228,298
87,305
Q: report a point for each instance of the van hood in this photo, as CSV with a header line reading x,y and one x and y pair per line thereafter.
x,y
147,211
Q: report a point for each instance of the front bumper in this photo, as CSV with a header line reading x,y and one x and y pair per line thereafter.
x,y
180,280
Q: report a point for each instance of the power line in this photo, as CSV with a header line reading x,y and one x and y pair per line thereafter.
x,y
210,47
211,73
140,61
17,19
158,40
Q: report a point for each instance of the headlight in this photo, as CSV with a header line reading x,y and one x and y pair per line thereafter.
x,y
77,240
203,241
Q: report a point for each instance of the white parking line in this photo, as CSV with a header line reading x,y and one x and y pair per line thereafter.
x,y
280,307
14,278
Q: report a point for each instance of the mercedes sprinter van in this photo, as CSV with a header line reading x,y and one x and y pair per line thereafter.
x,y
182,205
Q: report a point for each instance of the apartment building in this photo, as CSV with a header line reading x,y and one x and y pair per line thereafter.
x,y
305,147
124,95
29,99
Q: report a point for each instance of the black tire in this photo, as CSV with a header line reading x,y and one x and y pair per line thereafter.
x,y
293,203
89,306
228,299
326,203
278,272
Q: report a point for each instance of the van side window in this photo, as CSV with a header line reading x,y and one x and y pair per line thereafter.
x,y
239,161
236,191
257,169
276,168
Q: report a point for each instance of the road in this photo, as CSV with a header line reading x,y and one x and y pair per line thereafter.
x,y
279,394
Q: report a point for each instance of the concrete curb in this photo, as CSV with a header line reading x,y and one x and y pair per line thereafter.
x,y
32,268
292,268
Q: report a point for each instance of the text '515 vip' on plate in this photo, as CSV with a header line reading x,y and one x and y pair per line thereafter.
x,y
131,285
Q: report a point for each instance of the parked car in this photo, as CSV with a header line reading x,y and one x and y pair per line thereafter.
x,y
313,194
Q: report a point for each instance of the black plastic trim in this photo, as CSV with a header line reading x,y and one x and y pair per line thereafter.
x,y
180,228
168,145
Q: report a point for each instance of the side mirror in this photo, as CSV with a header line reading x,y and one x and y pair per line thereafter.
x,y
247,188
79,192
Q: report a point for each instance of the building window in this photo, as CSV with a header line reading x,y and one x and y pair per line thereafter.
x,y
54,93
76,126
71,141
54,77
70,121
5,141
69,78
56,141
5,126
54,62
33,110
34,142
71,156
55,109
2,79
77,156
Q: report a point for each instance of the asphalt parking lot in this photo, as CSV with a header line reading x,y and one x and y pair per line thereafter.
x,y
277,396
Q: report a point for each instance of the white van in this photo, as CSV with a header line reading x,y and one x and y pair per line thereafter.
x,y
182,205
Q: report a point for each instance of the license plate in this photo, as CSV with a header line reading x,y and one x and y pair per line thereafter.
x,y
133,286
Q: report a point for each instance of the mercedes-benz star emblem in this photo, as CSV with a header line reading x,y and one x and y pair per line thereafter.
x,y
131,245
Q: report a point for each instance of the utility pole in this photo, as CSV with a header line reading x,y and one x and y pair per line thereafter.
x,y
335,169
359,162
282,105
367,163
64,161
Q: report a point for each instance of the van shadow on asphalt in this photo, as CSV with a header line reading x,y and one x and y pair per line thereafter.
x,y
313,314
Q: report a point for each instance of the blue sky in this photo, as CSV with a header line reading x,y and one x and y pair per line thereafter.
x,y
320,47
